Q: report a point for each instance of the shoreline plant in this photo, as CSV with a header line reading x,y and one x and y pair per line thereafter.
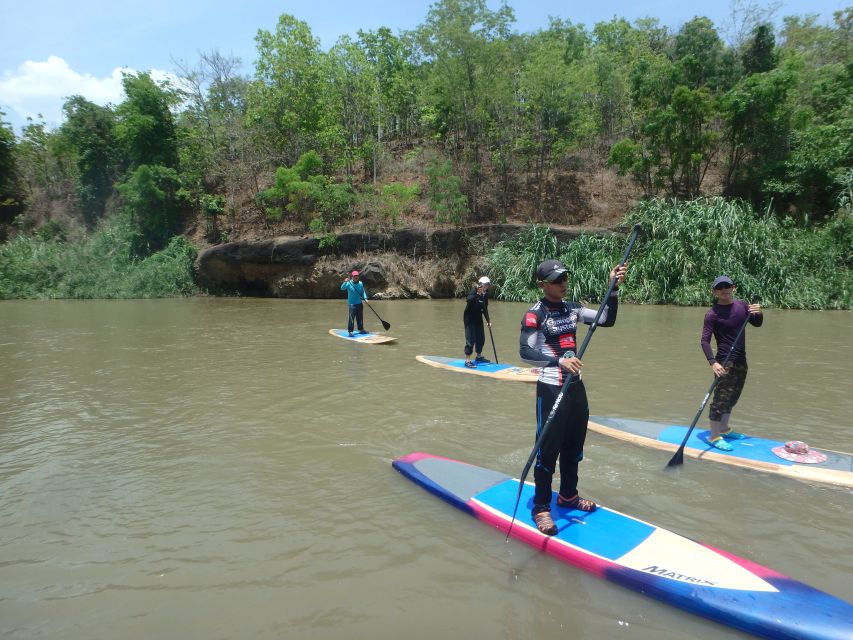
x,y
684,245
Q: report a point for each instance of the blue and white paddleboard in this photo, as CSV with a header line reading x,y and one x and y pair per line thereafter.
x,y
499,371
366,338
659,563
751,452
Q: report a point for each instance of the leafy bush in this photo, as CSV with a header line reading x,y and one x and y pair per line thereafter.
x,y
151,200
684,245
103,265
445,193
304,193
395,200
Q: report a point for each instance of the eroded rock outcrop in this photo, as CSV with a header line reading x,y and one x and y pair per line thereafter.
x,y
406,263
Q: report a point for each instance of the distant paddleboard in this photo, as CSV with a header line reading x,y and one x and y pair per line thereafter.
x,y
488,369
751,452
638,555
367,338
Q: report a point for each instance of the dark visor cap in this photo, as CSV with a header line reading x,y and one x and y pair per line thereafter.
x,y
550,270
722,280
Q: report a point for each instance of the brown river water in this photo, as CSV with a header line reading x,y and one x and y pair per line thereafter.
x,y
221,468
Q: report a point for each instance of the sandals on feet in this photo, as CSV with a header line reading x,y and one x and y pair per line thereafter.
x,y
733,435
581,504
721,444
545,523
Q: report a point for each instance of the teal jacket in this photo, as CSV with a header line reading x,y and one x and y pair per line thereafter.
x,y
355,292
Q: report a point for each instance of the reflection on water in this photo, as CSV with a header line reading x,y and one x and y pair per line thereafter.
x,y
221,468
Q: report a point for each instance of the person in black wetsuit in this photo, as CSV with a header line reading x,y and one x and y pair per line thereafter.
x,y
476,308
548,339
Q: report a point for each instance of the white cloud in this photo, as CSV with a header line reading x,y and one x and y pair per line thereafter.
x,y
42,87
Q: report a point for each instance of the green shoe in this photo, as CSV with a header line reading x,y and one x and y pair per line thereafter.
x,y
721,444
733,435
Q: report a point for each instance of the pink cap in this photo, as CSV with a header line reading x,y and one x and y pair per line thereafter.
x,y
355,273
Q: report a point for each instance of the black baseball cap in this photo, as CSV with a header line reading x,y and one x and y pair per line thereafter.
x,y
722,280
550,270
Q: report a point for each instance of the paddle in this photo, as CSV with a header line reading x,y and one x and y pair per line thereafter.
x,y
493,343
678,458
568,381
385,325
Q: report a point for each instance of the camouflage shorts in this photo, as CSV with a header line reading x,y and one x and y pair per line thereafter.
x,y
728,390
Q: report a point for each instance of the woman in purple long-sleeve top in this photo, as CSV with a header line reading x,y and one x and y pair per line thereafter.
x,y
724,321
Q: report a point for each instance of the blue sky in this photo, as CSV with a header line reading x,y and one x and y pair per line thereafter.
x,y
52,49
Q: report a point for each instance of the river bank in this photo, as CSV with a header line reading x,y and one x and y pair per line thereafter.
x,y
406,263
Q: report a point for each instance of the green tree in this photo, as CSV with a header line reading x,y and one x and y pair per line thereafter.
x,y
288,104
215,151
461,41
556,91
821,139
759,56
89,134
145,125
757,128
151,203
396,83
10,196
699,54
350,136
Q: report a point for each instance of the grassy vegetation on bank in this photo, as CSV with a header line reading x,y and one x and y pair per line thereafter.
x,y
99,266
684,245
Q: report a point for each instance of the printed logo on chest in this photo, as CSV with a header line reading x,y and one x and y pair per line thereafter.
x,y
561,325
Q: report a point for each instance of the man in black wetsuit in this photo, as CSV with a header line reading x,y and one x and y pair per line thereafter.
x,y
476,307
548,339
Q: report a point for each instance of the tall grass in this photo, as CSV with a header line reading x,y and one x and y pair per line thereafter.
x,y
684,245
100,266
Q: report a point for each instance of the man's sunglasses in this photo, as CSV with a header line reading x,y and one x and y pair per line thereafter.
x,y
720,287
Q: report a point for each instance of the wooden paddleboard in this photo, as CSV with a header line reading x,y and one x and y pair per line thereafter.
x,y
641,556
366,338
751,452
499,371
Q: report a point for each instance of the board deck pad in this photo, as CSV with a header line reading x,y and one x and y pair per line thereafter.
x,y
641,556
366,338
500,371
751,451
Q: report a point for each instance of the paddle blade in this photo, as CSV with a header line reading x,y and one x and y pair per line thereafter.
x,y
677,459
386,325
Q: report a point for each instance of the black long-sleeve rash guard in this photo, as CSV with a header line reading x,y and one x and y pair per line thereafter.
x,y
548,333
476,308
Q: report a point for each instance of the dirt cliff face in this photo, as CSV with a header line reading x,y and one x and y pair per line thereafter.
x,y
418,259
407,263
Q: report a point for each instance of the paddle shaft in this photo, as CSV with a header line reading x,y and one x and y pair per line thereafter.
x,y
569,379
678,458
385,325
493,342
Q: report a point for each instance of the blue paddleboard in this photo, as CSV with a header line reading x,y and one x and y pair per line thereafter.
x,y
365,338
499,371
751,452
638,555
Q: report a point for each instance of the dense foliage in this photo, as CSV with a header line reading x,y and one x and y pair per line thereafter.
x,y
684,246
104,265
495,117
